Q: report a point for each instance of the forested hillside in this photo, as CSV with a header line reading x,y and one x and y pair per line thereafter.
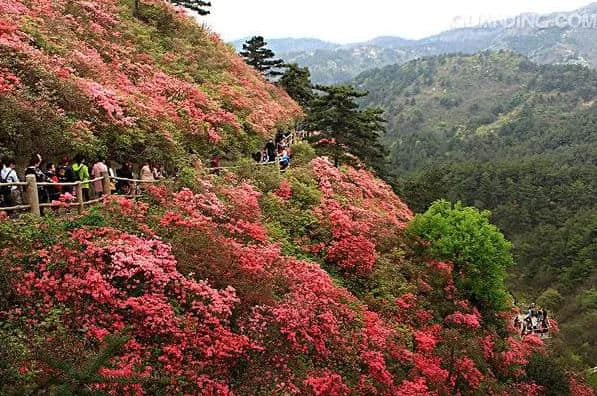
x,y
502,133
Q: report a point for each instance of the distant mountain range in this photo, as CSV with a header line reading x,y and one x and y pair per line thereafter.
x,y
558,38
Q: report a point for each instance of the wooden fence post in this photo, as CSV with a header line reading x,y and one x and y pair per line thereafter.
x,y
80,201
32,195
106,184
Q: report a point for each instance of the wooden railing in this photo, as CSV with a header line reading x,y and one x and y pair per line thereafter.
x,y
32,188
294,137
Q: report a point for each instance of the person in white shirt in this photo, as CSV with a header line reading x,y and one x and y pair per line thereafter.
x,y
146,173
9,175
98,170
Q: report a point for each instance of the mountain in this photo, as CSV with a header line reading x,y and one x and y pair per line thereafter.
x,y
559,38
244,280
502,133
343,63
498,99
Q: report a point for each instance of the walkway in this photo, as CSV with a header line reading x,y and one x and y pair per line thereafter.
x,y
31,187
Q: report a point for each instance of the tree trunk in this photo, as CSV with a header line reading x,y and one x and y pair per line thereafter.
x,y
136,8
336,154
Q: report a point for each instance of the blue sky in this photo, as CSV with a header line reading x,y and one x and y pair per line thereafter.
x,y
350,20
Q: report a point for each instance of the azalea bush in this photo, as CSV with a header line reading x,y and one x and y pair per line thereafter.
x,y
248,281
214,290
99,81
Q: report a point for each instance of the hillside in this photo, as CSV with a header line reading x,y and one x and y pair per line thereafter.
x,y
562,38
484,107
89,78
250,283
501,133
246,280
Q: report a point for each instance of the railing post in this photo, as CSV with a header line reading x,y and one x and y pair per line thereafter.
x,y
106,184
80,201
32,195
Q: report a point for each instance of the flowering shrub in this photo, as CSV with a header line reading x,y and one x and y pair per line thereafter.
x,y
326,383
209,302
374,217
111,282
102,75
285,190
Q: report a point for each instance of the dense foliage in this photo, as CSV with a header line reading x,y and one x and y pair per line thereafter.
x,y
480,253
296,81
500,133
90,78
249,283
341,125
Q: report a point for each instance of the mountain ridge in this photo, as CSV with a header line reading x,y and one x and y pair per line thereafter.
x,y
567,40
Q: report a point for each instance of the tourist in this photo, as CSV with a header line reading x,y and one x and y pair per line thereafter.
x,y
264,157
544,320
34,168
9,175
270,147
284,159
63,178
69,176
214,164
81,169
112,175
146,173
158,174
52,177
125,172
98,170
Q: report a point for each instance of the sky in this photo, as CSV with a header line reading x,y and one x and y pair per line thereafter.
x,y
345,21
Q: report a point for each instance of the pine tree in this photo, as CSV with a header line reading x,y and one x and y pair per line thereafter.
x,y
296,81
336,114
367,145
260,57
198,6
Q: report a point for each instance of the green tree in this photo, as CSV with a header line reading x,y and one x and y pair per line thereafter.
x,y
368,145
336,114
198,6
546,371
478,250
296,81
256,54
551,299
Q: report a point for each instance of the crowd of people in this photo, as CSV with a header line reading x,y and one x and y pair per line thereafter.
x,y
79,169
535,321
274,151
67,171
